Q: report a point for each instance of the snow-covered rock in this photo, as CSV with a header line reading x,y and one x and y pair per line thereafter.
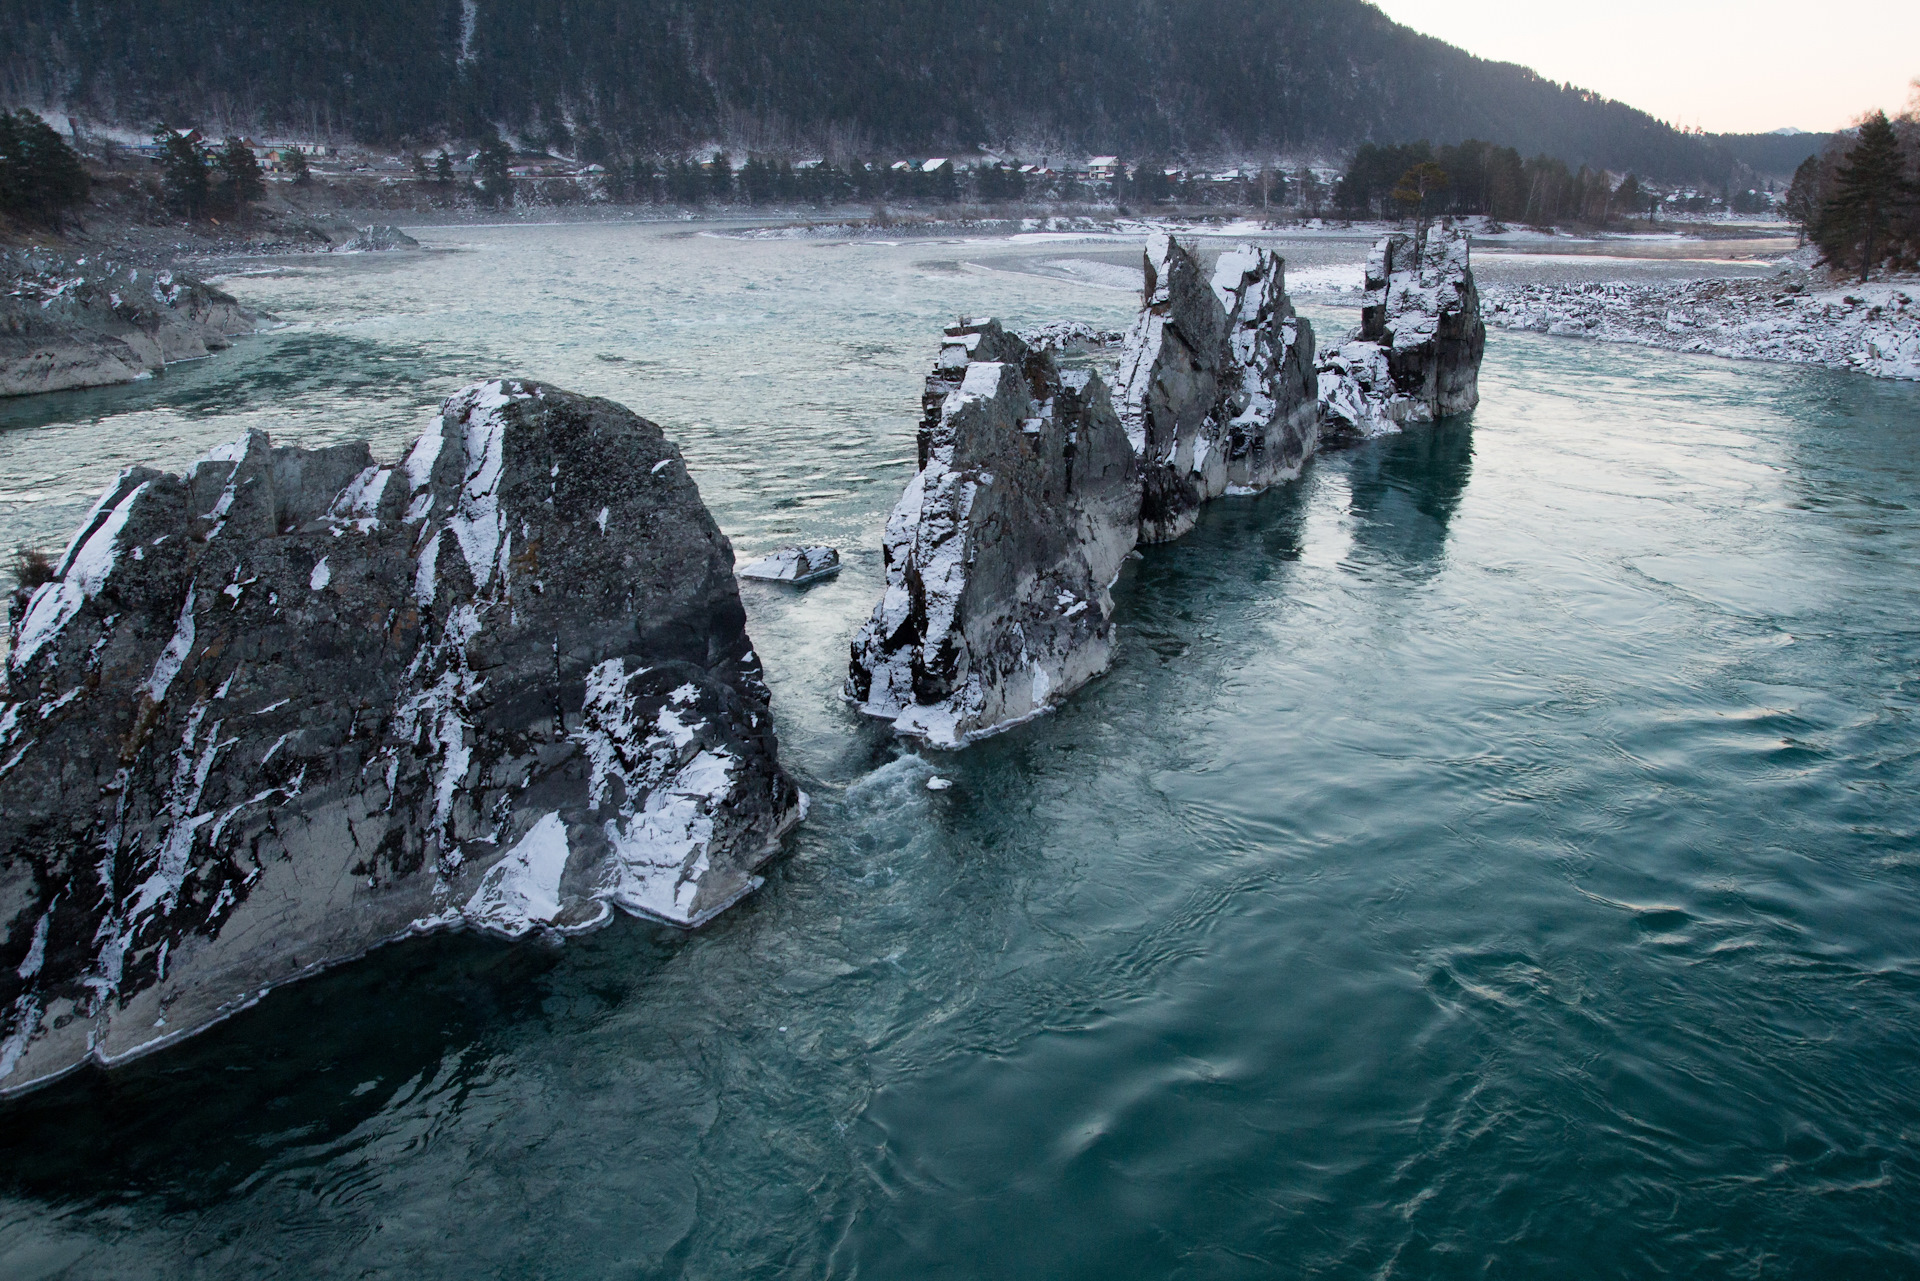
x,y
67,323
1215,385
1000,554
1416,356
295,703
1872,328
795,565
379,239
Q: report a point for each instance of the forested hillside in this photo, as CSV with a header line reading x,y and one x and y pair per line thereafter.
x,y
1138,77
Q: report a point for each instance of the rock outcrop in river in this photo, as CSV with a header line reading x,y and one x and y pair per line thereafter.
x,y
66,324
1216,383
1000,553
1416,356
292,704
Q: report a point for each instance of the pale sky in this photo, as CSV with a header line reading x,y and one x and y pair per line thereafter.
x,y
1729,66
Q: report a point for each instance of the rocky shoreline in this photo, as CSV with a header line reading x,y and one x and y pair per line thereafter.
x,y
1872,329
87,322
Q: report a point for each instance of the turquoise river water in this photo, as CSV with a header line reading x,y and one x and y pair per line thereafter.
x,y
1493,855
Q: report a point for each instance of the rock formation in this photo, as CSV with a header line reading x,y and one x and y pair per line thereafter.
x,y
1216,383
1416,356
292,704
379,239
1000,553
66,324
795,565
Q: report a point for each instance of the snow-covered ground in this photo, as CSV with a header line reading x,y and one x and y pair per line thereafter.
x,y
1873,328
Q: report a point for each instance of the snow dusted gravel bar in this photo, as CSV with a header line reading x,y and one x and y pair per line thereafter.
x,y
296,703
1872,328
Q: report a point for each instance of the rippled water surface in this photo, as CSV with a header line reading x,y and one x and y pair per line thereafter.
x,y
1494,854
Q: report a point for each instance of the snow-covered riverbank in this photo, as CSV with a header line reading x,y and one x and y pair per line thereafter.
x,y
1872,328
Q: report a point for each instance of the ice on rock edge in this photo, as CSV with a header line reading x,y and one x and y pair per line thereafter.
x,y
522,890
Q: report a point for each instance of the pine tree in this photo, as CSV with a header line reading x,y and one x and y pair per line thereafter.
x,y
495,170
1417,188
240,175
1867,195
40,175
296,162
443,169
183,171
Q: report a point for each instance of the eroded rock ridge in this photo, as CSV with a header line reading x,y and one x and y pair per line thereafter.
x,y
67,324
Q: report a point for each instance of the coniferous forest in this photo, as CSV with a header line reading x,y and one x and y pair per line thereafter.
x,y
1138,77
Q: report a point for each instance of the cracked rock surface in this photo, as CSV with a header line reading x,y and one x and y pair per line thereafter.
x,y
1001,551
1216,384
296,703
1416,356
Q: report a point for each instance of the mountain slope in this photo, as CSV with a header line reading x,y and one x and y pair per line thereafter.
x,y
1136,76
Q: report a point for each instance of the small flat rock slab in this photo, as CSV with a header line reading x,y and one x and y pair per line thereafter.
x,y
795,565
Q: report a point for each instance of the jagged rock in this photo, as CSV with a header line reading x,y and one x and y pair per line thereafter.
x,y
379,240
1000,554
1416,356
296,703
1216,383
795,565
1274,417
66,324
1071,335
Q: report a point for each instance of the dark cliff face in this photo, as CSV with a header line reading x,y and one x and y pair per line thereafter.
x,y
296,703
1423,307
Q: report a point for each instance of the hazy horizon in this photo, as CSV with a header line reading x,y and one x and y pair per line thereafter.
x,y
1728,66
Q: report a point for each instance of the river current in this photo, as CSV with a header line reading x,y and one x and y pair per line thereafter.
x,y
1494,854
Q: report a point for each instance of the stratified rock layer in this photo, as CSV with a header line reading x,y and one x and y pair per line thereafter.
x,y
1216,383
1416,356
295,703
78,324
1000,554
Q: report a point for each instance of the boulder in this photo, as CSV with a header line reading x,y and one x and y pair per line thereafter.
x,y
1420,327
79,323
795,565
296,703
380,239
1000,554
1216,383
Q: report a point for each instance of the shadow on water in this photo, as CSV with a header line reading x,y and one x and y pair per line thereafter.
x,y
1404,491
304,1069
